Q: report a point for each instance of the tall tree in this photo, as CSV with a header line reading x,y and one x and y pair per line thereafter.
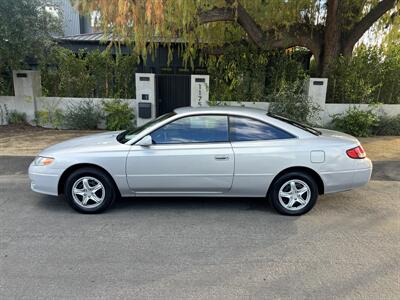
x,y
328,28
25,28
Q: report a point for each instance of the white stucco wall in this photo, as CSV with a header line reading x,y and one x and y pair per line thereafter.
x,y
25,104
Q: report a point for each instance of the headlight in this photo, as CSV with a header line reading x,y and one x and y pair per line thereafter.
x,y
43,161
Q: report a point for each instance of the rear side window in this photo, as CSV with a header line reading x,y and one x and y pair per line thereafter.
x,y
246,129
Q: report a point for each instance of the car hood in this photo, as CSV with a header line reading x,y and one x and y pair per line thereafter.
x,y
84,142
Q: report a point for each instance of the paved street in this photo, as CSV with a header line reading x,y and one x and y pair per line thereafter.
x,y
346,247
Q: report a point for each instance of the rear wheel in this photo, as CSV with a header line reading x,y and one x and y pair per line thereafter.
x,y
294,193
89,190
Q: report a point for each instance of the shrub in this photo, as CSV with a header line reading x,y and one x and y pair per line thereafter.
x,y
291,102
388,125
54,118
16,118
118,114
356,122
83,115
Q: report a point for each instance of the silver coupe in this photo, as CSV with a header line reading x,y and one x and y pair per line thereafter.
x,y
206,152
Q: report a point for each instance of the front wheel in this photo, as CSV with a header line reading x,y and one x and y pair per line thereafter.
x,y
294,194
89,191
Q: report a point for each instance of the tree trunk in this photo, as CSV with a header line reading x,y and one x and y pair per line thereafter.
x,y
331,43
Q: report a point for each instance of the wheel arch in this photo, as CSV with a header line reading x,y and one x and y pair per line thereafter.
x,y
307,170
73,168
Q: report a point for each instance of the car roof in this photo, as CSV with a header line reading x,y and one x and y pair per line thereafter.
x,y
256,113
251,112
247,111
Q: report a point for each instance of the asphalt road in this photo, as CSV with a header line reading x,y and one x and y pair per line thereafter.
x,y
346,247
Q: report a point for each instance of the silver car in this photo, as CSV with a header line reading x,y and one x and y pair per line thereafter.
x,y
206,152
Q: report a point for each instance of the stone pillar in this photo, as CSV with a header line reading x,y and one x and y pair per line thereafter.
x,y
200,92
145,97
316,89
27,86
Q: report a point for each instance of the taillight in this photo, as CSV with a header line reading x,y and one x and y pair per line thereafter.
x,y
356,153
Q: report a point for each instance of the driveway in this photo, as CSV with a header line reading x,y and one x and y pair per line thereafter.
x,y
346,247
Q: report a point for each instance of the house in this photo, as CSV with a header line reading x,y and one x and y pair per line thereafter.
x,y
72,22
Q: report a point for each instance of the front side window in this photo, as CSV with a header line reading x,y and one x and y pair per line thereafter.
x,y
194,129
246,129
127,135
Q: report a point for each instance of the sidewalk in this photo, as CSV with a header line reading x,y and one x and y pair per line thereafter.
x,y
29,140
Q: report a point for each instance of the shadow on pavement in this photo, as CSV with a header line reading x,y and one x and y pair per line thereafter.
x,y
59,204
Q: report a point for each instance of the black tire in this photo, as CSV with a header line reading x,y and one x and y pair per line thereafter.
x,y
109,190
283,181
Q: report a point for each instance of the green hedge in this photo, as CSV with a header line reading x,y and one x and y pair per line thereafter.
x,y
370,76
244,73
88,74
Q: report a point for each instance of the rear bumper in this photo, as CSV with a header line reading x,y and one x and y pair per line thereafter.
x,y
44,180
347,180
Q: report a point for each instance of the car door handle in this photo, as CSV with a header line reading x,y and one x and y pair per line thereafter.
x,y
221,157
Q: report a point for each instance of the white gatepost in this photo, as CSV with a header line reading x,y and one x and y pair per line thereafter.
x,y
27,86
145,97
200,92
316,90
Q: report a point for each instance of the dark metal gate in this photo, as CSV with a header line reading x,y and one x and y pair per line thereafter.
x,y
172,91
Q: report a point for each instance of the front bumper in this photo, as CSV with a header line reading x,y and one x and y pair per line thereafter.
x,y
44,179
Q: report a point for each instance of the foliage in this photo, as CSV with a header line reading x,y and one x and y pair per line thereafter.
x,y
93,74
6,82
16,118
238,75
50,114
268,24
244,73
291,102
285,69
25,30
388,125
53,118
82,115
356,122
118,114
371,76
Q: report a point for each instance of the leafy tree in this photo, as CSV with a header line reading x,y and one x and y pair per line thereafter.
x,y
25,30
328,28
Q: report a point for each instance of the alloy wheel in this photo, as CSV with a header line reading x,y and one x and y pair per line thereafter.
x,y
294,194
88,192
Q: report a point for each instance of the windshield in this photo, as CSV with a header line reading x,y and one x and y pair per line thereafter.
x,y
297,124
127,135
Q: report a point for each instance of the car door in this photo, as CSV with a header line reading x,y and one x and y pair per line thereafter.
x,y
260,150
190,155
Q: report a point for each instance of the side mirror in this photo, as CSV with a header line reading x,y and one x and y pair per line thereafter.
x,y
145,141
